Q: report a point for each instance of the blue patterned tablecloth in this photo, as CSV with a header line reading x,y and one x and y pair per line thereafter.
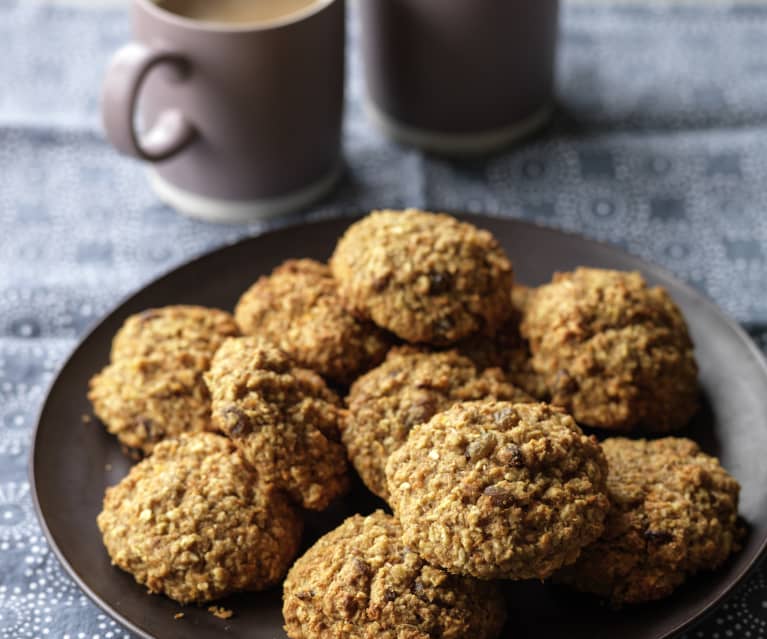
x,y
660,147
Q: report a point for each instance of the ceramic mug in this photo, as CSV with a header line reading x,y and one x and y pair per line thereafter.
x,y
464,76
244,120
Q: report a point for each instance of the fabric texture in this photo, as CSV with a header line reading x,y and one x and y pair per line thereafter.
x,y
659,146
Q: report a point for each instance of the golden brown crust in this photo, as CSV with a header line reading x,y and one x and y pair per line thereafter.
x,y
613,351
153,387
673,514
283,418
172,328
360,582
409,388
426,277
499,490
191,521
507,349
297,308
143,400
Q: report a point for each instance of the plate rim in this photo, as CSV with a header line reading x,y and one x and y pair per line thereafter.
x,y
475,218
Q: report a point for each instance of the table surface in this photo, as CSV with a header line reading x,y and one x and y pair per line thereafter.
x,y
659,146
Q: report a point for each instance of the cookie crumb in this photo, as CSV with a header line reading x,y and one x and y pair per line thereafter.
x,y
86,418
178,615
107,467
220,612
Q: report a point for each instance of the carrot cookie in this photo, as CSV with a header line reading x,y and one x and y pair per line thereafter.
x,y
361,582
193,522
613,351
173,328
409,388
144,400
154,387
298,309
499,490
674,513
283,418
426,277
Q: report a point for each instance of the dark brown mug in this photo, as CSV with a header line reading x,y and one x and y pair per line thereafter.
x,y
245,120
463,76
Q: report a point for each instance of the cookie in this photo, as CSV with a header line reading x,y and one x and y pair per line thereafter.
x,y
297,308
507,349
361,582
409,388
193,522
674,513
153,387
173,328
499,490
146,399
282,417
613,351
425,277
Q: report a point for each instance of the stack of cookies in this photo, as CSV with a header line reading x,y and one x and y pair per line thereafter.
x,y
465,395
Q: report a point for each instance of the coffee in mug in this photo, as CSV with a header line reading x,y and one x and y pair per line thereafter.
x,y
235,11
243,104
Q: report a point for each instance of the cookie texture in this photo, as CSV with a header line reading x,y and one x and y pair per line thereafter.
x,y
297,308
499,490
409,388
171,329
426,277
144,400
361,582
613,351
283,418
507,349
673,514
192,521
154,388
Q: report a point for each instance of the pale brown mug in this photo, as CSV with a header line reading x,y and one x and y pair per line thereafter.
x,y
244,120
459,76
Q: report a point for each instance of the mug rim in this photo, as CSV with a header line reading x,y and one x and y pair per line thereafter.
x,y
151,7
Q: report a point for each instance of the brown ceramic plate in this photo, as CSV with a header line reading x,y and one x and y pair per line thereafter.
x,y
73,462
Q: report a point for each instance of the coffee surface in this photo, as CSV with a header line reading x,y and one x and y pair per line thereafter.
x,y
235,11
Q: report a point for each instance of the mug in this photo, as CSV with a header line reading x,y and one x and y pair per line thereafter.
x,y
244,120
459,77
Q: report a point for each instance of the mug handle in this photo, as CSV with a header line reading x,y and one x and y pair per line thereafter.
x,y
172,131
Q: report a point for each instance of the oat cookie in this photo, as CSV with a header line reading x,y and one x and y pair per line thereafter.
x,y
613,351
673,514
499,490
153,387
426,277
283,418
173,328
507,349
409,388
192,521
297,308
361,582
145,399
